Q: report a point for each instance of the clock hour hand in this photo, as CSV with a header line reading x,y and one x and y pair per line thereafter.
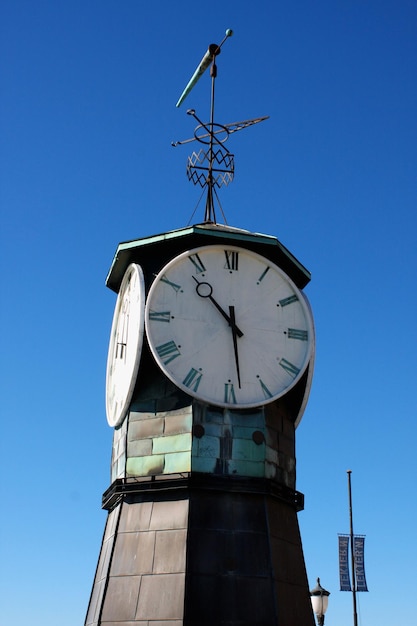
x,y
205,290
234,335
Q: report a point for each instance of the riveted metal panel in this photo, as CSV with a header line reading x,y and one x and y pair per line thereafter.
x,y
161,597
121,598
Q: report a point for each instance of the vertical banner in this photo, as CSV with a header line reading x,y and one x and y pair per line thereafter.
x,y
359,548
344,563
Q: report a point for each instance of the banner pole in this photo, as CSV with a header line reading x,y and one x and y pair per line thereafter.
x,y
352,550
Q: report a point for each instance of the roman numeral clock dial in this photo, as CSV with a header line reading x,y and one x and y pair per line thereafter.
x,y
228,327
126,339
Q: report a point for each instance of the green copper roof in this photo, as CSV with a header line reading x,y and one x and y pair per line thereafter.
x,y
153,252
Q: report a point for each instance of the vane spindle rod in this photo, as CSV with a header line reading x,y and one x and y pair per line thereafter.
x,y
210,213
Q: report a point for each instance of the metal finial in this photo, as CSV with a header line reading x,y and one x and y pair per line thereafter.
x,y
213,165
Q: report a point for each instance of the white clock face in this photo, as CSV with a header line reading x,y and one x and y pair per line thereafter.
x,y
126,339
228,327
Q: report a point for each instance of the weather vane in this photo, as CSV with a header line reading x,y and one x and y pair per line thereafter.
x,y
213,165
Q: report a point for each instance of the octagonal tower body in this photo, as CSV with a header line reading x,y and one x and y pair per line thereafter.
x,y
202,507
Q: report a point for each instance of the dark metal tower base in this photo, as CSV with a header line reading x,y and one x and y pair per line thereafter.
x,y
201,551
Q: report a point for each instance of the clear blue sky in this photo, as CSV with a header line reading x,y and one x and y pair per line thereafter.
x,y
88,93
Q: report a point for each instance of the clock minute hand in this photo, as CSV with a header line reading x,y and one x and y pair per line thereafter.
x,y
205,290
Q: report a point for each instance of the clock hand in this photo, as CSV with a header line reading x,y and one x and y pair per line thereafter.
x,y
205,290
234,335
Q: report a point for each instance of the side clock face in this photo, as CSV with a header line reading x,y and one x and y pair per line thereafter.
x,y
126,339
228,327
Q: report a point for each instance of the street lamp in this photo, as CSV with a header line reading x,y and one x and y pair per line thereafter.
x,y
319,601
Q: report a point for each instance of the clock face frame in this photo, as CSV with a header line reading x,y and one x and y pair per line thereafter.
x,y
125,347
228,326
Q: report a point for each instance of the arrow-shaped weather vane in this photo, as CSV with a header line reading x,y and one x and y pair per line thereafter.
x,y
208,58
212,166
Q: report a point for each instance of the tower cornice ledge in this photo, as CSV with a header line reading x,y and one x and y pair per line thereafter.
x,y
153,252
147,487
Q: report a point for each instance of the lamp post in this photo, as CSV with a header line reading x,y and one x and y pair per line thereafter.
x,y
319,601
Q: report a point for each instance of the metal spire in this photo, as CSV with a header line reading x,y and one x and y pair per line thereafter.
x,y
213,165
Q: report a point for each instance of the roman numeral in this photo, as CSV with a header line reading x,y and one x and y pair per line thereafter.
x,y
232,260
289,367
288,300
262,276
122,330
229,393
193,379
296,333
197,262
265,389
175,287
168,351
120,350
160,316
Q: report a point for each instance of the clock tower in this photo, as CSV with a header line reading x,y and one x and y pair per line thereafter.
x,y
209,369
